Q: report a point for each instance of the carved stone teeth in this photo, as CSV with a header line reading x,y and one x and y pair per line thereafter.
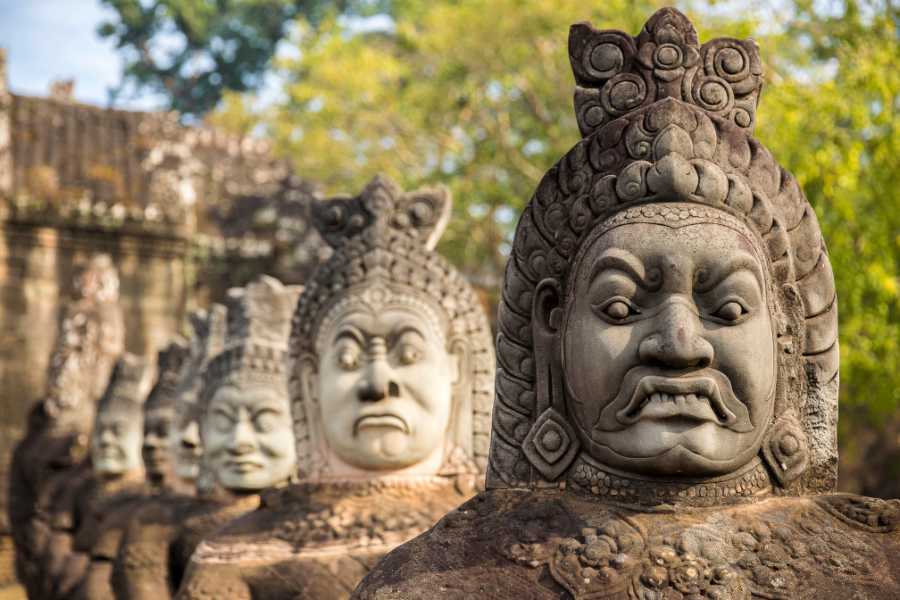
x,y
679,399
691,397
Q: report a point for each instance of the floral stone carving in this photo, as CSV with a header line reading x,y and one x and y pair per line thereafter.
x,y
392,367
666,410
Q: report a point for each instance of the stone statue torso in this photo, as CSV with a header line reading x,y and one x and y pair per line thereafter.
x,y
552,544
314,541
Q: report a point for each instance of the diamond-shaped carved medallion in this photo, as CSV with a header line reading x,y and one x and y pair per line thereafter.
x,y
551,444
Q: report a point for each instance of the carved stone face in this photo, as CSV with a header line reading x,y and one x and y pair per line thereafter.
x,y
158,424
184,440
385,385
668,349
248,437
116,442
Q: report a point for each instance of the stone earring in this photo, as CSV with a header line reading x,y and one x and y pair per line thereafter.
x,y
786,450
551,444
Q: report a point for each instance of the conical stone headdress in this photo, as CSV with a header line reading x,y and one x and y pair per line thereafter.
x,y
127,387
383,242
91,338
667,121
258,321
170,365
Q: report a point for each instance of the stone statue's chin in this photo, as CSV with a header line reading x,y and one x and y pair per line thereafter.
x,y
380,443
676,447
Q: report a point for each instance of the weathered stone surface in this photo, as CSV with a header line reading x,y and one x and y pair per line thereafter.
x,y
391,369
544,544
666,413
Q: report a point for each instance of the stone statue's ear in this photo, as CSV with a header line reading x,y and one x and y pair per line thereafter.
x,y
551,444
459,362
786,449
307,374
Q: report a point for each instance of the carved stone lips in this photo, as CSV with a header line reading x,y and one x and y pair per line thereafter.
x,y
244,466
380,420
693,398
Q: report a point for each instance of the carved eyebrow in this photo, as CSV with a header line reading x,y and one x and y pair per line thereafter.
x,y
741,262
398,334
620,260
349,331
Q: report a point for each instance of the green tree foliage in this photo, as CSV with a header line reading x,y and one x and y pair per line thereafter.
x,y
476,94
192,51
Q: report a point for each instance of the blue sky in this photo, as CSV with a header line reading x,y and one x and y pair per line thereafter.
x,y
47,40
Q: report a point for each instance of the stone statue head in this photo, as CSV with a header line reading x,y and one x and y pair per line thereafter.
x,y
90,339
245,422
116,439
207,340
159,414
391,358
669,308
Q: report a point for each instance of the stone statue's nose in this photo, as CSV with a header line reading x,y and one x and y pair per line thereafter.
x,y
676,341
242,439
378,381
190,435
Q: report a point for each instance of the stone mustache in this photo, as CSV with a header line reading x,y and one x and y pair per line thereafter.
x,y
666,395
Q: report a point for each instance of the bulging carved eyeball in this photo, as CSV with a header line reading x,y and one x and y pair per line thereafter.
x,y
786,450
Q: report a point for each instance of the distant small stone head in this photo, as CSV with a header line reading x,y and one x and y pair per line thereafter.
x,y
116,438
159,414
245,421
207,339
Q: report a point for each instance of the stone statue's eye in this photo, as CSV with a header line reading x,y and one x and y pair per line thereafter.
x,y
348,359
265,420
616,309
222,422
409,354
730,311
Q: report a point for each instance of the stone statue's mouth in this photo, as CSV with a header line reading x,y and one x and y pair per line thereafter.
x,y
380,420
699,396
694,398
244,465
110,453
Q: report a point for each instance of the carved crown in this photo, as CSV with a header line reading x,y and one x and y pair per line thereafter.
x,y
381,207
91,337
260,312
617,74
127,385
170,365
258,323
207,339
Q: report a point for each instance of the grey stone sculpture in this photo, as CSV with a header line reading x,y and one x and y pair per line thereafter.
x,y
160,421
391,372
88,509
89,340
207,340
666,411
247,437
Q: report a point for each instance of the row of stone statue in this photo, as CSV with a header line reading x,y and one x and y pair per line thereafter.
x,y
661,424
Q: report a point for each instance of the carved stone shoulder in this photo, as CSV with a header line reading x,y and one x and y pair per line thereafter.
x,y
869,514
566,546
